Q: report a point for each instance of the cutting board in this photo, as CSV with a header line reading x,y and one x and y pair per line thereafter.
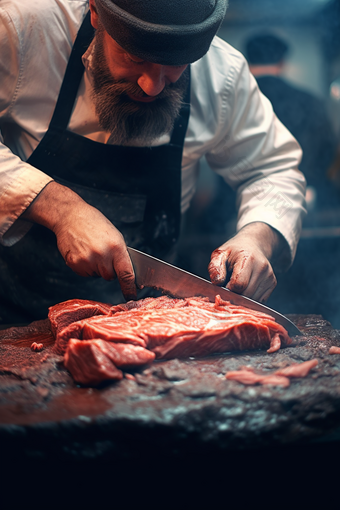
x,y
171,407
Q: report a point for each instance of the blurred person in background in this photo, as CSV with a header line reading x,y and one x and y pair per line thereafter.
x,y
310,285
304,114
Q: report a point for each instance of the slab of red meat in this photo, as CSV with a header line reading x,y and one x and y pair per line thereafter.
x,y
95,361
67,312
89,365
180,327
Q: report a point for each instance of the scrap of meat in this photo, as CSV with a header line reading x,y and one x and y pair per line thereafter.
x,y
37,347
247,375
298,369
163,327
130,377
334,350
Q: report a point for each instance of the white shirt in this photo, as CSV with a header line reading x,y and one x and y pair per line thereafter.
x,y
231,122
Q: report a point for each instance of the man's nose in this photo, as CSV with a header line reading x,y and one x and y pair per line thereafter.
x,y
153,79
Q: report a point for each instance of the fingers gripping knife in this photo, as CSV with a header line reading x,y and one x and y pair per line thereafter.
x,y
152,272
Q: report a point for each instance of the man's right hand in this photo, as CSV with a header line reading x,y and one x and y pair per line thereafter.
x,y
87,240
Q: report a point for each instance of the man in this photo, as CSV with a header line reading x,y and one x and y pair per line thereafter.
x,y
112,158
304,114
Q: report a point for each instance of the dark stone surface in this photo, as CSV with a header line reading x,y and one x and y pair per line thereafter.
x,y
173,408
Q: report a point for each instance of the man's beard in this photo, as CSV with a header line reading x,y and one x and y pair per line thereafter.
x,y
131,121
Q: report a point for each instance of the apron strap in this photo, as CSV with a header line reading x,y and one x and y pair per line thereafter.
x,y
73,75
181,123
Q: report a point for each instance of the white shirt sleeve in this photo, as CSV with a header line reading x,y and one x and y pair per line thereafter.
x,y
20,182
258,157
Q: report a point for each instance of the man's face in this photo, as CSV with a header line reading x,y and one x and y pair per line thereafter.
x,y
135,100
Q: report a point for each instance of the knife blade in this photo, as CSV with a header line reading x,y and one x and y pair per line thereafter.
x,y
171,280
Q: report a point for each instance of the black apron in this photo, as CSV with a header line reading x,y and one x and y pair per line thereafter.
x,y
137,188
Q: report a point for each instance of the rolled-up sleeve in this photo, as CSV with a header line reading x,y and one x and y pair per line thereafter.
x,y
20,183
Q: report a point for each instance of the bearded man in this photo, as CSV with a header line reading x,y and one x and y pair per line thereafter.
x,y
106,108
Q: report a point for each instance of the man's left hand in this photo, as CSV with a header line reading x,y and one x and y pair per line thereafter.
x,y
246,259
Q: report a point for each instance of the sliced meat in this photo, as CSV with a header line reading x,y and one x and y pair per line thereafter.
x,y
126,356
95,361
98,328
97,339
275,343
180,327
247,375
334,350
63,314
244,376
275,380
88,364
298,369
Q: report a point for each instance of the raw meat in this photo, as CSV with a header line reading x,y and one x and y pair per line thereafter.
x,y
180,327
96,360
247,375
37,347
275,380
133,334
298,369
89,365
63,314
334,350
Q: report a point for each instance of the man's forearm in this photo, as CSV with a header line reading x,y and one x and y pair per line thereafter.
x,y
52,203
87,240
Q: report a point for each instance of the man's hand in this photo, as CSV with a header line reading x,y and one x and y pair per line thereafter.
x,y
87,240
246,259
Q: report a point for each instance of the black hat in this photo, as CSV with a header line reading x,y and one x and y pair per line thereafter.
x,y
265,49
169,32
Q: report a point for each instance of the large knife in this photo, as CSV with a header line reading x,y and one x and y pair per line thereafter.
x,y
171,280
